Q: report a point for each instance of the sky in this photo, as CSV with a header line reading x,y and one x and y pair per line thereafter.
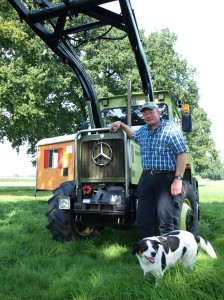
x,y
199,26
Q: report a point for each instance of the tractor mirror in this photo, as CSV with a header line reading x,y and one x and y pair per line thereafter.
x,y
186,123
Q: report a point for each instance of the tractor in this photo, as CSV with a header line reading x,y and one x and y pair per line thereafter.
x,y
106,167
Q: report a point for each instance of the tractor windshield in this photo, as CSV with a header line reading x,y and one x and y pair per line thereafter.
x,y
111,115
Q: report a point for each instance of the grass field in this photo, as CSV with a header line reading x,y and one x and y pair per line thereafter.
x,y
35,267
17,181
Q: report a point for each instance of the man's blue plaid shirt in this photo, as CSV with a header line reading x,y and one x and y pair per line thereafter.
x,y
159,149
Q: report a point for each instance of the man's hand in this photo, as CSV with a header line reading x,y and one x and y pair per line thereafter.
x,y
176,187
119,125
115,126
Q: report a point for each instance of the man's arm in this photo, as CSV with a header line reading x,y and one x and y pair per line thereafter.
x,y
181,164
176,186
119,125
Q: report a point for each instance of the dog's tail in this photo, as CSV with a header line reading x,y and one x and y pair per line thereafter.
x,y
206,246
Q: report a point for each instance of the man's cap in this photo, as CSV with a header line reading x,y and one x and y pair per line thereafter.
x,y
148,105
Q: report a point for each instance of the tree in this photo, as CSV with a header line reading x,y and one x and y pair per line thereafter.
x,y
169,70
203,148
111,63
38,92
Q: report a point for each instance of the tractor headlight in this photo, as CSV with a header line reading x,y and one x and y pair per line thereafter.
x,y
64,203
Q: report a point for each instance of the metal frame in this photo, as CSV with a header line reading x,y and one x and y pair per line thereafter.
x,y
57,38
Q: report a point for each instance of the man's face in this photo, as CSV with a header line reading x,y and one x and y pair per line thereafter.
x,y
151,117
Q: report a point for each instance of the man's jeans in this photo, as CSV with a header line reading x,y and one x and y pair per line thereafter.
x,y
155,204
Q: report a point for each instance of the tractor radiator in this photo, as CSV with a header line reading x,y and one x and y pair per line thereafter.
x,y
101,170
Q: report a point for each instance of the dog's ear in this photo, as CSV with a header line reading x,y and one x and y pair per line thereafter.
x,y
156,244
139,247
135,248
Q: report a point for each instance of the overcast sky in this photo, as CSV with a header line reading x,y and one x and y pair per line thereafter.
x,y
199,25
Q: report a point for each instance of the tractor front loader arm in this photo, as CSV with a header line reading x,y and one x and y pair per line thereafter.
x,y
50,23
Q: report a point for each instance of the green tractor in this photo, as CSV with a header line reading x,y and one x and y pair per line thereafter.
x,y
107,165
108,171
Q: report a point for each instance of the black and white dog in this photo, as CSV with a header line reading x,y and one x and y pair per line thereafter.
x,y
156,254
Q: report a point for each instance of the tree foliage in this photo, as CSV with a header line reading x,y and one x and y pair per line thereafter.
x,y
41,97
169,70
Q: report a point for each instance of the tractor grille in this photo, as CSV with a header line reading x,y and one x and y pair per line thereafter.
x,y
114,170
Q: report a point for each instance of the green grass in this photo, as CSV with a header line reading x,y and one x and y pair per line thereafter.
x,y
32,266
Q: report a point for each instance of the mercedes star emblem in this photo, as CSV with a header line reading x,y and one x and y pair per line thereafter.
x,y
102,154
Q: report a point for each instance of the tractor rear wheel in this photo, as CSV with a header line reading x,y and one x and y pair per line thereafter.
x,y
186,209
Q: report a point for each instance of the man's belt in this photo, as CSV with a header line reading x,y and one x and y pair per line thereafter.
x,y
154,172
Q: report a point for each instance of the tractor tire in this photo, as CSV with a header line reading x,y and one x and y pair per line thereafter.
x,y
186,209
61,221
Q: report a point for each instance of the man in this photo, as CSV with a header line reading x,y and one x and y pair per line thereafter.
x,y
163,156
